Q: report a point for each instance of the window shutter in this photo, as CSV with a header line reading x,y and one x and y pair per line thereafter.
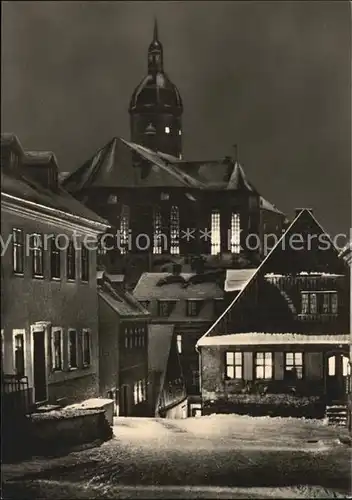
x,y
279,365
248,366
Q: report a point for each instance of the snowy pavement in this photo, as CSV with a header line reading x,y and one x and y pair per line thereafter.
x,y
220,456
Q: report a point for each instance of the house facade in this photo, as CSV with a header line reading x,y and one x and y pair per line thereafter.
x,y
123,349
287,331
188,303
49,326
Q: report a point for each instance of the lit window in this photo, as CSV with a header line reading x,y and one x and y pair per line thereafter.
x,y
234,365
179,343
345,366
56,349
294,364
313,303
84,263
55,259
158,236
17,250
124,228
86,347
72,349
135,392
263,365
167,130
112,199
180,132
174,230
332,366
235,233
319,302
37,255
71,261
215,232
19,352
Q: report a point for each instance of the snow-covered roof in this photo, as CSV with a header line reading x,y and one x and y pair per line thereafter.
x,y
272,339
236,279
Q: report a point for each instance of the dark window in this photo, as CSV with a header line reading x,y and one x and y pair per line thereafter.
x,y
17,250
71,261
72,349
164,307
193,307
85,263
56,350
293,365
263,365
19,354
36,247
126,338
55,259
86,347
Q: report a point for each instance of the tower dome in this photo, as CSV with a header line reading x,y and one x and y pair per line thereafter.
x,y
156,103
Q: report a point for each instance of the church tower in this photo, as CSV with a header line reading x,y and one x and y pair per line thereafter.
x,y
156,106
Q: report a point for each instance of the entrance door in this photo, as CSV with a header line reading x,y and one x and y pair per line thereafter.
x,y
336,376
39,366
124,401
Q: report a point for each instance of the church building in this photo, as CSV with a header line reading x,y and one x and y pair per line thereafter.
x,y
163,209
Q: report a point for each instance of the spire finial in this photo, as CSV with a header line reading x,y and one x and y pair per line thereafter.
x,y
235,148
156,37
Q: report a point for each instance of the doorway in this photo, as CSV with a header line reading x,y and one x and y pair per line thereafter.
x,y
336,376
124,401
39,366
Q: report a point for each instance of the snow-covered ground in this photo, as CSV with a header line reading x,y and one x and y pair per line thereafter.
x,y
220,456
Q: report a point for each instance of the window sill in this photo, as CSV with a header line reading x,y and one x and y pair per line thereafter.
x,y
19,275
85,281
86,366
72,368
53,278
38,277
57,370
71,280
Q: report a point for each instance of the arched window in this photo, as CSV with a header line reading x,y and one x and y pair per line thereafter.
x,y
124,228
235,233
215,232
174,230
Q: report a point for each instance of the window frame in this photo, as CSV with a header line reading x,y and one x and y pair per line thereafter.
x,y
174,230
85,267
55,250
179,343
294,364
215,224
263,365
234,365
18,246
37,253
235,233
71,257
54,330
326,302
169,304
69,365
86,331
15,333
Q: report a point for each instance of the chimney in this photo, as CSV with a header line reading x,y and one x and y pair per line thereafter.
x,y
299,210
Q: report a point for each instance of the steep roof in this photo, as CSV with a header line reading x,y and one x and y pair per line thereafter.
x,y
114,166
18,185
258,339
266,205
123,303
236,279
282,257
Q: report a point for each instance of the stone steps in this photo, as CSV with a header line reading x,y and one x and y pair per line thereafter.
x,y
336,415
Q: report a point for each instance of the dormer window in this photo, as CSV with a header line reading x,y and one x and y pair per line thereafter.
x,y
193,307
165,308
112,200
167,130
319,302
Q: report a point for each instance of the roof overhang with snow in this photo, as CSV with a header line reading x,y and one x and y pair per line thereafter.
x,y
258,339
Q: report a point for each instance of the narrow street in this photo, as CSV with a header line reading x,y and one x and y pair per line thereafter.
x,y
209,457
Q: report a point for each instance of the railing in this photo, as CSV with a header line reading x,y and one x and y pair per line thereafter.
x,y
16,395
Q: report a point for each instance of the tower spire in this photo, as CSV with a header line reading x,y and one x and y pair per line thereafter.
x,y
156,34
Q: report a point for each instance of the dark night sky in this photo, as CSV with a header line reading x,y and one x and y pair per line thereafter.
x,y
272,76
